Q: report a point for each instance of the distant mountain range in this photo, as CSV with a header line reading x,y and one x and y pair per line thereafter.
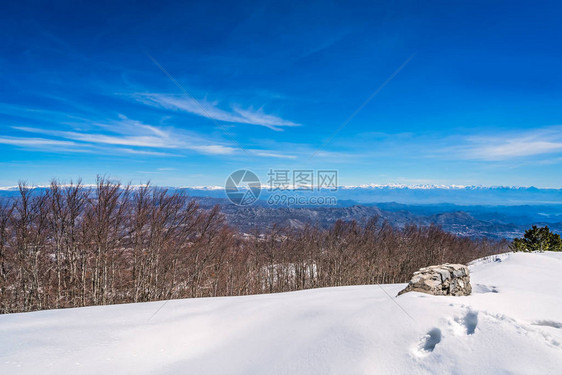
x,y
403,194
475,211
472,221
419,194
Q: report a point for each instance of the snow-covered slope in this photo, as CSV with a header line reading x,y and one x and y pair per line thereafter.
x,y
512,324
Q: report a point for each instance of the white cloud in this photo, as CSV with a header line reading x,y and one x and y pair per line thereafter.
x,y
34,142
517,148
144,152
215,149
509,146
132,137
123,135
132,133
271,154
210,110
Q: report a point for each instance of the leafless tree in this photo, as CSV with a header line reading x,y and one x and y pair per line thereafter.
x,y
70,245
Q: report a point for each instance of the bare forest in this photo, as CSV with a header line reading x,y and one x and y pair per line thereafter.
x,y
72,245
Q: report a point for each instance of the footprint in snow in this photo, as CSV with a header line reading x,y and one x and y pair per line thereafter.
x,y
465,325
548,323
481,288
429,341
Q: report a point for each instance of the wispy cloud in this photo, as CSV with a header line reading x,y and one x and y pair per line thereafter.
x,y
272,154
510,146
128,136
58,146
34,142
145,152
214,149
131,133
212,111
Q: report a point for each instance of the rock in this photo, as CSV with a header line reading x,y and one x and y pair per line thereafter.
x,y
443,280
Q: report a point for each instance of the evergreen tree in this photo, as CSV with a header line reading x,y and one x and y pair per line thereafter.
x,y
538,239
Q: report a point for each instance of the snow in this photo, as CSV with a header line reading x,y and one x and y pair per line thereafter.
x,y
511,324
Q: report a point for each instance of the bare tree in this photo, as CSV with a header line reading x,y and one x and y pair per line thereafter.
x,y
71,245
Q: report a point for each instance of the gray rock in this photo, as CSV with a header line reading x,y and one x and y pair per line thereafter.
x,y
443,280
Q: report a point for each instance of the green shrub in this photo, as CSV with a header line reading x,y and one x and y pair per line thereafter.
x,y
538,239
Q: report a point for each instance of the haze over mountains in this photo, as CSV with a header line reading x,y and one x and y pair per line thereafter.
x,y
475,211
420,194
473,221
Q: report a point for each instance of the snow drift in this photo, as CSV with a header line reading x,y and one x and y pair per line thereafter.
x,y
512,323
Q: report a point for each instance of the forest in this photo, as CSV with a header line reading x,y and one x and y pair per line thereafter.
x,y
73,245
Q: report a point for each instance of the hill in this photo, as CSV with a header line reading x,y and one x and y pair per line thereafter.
x,y
512,323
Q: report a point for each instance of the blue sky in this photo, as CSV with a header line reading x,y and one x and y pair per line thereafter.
x,y
265,85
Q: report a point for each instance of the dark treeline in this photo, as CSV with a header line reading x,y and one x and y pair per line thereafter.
x,y
70,246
